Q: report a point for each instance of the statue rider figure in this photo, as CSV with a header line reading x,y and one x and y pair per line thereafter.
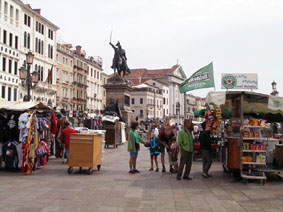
x,y
120,60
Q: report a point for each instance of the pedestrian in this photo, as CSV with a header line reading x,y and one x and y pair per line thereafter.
x,y
134,141
185,142
153,145
175,153
206,150
66,134
165,135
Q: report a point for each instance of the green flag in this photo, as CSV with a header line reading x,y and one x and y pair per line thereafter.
x,y
203,78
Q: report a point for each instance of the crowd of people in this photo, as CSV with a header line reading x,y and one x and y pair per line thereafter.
x,y
176,141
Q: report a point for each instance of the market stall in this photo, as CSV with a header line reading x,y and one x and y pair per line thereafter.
x,y
24,135
250,145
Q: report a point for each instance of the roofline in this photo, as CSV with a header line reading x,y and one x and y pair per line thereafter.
x,y
24,6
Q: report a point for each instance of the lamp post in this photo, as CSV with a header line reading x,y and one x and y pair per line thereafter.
x,y
27,76
274,89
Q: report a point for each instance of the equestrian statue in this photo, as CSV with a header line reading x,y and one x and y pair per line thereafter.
x,y
119,63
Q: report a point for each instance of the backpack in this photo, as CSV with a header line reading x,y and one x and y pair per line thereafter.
x,y
10,156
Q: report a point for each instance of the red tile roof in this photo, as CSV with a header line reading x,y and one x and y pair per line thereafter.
x,y
141,75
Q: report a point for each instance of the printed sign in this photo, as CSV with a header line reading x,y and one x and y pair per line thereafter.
x,y
239,81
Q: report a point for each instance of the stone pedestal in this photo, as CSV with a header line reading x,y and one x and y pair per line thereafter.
x,y
118,89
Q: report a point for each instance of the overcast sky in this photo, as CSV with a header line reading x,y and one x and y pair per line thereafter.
x,y
237,35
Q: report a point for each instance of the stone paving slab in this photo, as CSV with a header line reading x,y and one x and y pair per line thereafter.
x,y
112,189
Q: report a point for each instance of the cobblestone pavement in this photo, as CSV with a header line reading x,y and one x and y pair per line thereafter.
x,y
113,189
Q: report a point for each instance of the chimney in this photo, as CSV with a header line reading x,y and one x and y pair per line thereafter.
x,y
91,59
38,11
78,50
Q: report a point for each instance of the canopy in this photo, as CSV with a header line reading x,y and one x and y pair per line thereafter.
x,y
254,104
22,106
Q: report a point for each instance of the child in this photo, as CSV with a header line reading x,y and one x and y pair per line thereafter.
x,y
153,145
174,154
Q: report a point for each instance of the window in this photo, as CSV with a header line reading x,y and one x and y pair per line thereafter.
x,y
141,113
17,15
16,42
11,39
15,94
4,36
9,93
16,68
4,64
10,66
5,8
3,91
133,101
25,39
50,52
164,101
141,101
11,13
50,34
27,20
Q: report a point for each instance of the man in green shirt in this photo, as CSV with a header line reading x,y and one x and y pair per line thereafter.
x,y
185,141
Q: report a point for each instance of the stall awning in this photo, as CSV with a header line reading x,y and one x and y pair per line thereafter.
x,y
22,106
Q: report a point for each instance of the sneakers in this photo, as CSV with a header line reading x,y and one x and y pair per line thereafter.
x,y
204,175
131,172
157,170
163,169
151,169
136,171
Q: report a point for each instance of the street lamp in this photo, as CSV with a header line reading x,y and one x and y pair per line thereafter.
x,y
274,89
27,76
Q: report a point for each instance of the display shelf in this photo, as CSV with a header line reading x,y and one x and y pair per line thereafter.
x,y
250,126
253,177
260,138
253,163
263,151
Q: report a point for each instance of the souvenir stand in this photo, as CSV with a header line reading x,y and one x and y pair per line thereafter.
x,y
249,145
25,135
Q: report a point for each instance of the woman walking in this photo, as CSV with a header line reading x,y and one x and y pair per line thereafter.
x,y
133,147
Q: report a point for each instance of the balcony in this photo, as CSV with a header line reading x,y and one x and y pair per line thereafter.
x,y
65,99
46,87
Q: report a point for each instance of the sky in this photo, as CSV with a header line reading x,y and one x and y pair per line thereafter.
x,y
238,36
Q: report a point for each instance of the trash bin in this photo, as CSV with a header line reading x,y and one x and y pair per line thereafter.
x,y
85,151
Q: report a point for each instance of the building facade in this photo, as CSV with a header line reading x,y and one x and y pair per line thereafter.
x,y
80,80
94,82
38,35
147,102
64,73
193,103
173,77
10,29
103,91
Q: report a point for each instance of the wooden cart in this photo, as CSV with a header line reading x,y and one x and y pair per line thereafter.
x,y
85,151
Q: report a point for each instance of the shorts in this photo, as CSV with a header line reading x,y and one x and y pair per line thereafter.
x,y
134,154
154,156
162,148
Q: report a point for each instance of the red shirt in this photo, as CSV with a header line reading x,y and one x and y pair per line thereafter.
x,y
67,134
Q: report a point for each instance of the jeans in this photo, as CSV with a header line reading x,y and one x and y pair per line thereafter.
x,y
186,159
206,161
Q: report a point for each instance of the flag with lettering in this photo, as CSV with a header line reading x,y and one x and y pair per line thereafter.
x,y
203,78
